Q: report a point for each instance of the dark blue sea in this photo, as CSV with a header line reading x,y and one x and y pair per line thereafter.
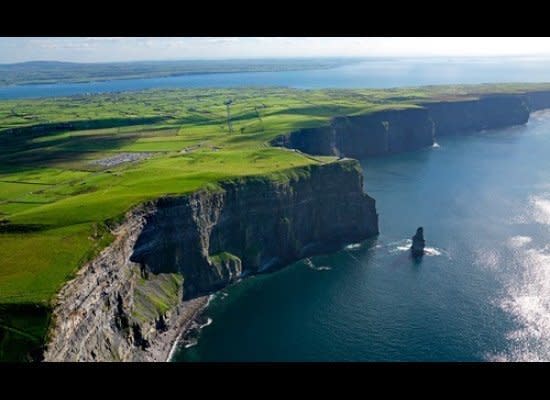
x,y
482,292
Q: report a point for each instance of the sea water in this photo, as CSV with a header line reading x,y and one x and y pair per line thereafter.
x,y
482,291
373,73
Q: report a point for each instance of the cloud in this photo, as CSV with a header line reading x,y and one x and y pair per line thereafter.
x,y
221,40
166,48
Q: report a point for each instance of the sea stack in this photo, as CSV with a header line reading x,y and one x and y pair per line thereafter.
x,y
418,243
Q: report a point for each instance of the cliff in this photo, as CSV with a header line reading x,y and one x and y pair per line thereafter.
x,y
131,302
538,100
361,136
394,131
491,112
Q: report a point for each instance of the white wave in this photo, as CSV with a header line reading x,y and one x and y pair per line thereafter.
x,y
353,246
210,298
540,115
528,301
432,251
436,145
519,241
191,344
405,245
208,322
310,264
402,245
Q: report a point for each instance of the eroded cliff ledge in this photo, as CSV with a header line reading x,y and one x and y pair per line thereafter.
x,y
394,131
131,302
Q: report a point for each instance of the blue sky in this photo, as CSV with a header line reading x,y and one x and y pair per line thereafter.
x,y
100,49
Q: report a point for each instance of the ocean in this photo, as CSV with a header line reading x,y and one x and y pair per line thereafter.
x,y
481,293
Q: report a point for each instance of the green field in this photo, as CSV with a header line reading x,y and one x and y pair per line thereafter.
x,y
58,194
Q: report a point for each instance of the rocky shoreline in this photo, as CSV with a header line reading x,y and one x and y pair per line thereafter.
x,y
189,314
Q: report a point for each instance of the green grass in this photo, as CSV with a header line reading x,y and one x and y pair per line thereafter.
x,y
54,200
35,264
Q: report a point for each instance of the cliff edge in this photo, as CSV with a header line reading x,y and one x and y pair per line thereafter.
x,y
131,302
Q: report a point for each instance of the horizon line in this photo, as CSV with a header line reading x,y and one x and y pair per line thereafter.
x,y
439,56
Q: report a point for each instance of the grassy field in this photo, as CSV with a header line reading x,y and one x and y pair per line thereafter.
x,y
59,188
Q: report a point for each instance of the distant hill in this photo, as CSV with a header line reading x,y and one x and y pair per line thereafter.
x,y
36,72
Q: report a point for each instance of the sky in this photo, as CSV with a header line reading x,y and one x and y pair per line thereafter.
x,y
105,49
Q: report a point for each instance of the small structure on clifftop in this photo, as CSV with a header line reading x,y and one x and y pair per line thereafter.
x,y
418,243
227,103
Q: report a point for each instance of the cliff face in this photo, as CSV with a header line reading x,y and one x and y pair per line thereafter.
x,y
538,100
131,301
395,131
457,117
378,133
109,312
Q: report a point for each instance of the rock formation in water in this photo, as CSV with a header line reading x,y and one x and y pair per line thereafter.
x,y
418,243
132,301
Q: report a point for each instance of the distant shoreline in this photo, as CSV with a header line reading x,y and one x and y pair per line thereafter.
x,y
166,74
127,78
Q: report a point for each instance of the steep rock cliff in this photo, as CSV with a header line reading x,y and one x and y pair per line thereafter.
x,y
538,100
490,112
360,136
132,301
394,131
